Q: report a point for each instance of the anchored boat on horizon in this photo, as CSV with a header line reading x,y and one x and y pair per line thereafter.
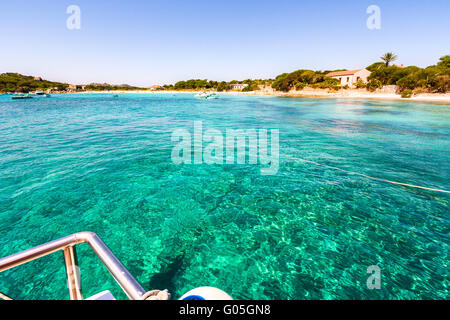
x,y
21,97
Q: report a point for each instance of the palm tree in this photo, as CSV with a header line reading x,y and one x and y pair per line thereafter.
x,y
389,57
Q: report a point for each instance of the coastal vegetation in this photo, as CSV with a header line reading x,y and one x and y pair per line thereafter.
x,y
304,78
407,93
15,82
200,84
433,79
374,84
106,87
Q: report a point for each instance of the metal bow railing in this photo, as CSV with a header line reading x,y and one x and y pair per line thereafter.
x,y
129,285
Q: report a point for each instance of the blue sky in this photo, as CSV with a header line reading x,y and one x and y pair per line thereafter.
x,y
155,42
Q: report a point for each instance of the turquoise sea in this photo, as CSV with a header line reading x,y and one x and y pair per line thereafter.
x,y
74,163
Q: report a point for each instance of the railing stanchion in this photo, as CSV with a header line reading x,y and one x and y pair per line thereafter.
x,y
73,273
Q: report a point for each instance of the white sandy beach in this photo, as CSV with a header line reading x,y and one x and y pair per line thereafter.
x,y
363,94
311,93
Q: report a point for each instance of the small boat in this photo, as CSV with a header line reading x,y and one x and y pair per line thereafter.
x,y
206,95
21,97
201,95
39,93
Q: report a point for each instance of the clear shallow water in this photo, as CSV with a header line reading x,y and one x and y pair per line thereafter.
x,y
96,163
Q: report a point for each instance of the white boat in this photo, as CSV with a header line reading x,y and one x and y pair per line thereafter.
x,y
201,95
206,95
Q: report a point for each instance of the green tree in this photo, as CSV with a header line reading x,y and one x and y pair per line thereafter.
x,y
222,86
388,58
374,84
444,62
360,84
406,93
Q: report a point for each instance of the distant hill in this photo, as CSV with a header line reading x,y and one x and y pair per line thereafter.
x,y
15,82
111,87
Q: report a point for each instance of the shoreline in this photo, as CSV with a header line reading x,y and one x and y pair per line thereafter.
x,y
358,94
306,93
